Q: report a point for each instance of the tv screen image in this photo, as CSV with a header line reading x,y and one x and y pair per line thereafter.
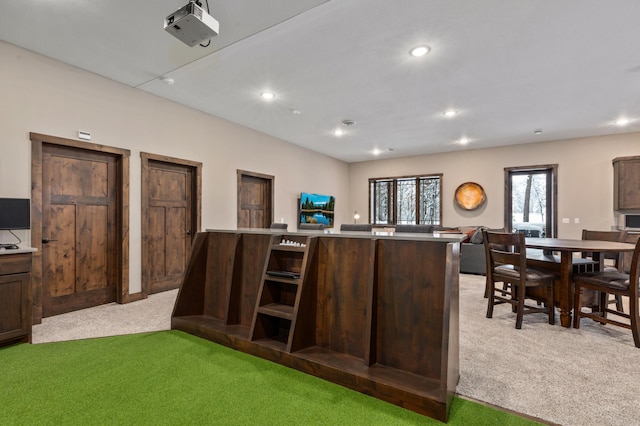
x,y
317,208
15,213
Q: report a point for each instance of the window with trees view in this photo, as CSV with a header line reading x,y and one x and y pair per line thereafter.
x,y
530,200
405,200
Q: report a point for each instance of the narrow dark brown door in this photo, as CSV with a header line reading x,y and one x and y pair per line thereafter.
x,y
255,200
79,253
169,230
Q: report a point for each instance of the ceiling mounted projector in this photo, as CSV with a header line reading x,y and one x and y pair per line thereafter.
x,y
191,24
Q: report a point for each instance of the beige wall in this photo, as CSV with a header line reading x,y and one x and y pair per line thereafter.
x,y
41,95
585,179
44,96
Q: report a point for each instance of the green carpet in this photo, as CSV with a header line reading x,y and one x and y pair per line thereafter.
x,y
173,378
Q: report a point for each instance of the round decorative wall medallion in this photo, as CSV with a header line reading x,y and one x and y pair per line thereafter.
x,y
470,196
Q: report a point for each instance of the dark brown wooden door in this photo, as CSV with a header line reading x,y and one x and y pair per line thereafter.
x,y
254,200
79,253
169,228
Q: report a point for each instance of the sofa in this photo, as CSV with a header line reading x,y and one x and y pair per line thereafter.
x,y
472,259
472,255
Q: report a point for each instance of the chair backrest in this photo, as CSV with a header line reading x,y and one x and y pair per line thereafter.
x,y
626,256
360,227
422,229
505,248
311,226
634,272
617,236
530,232
279,226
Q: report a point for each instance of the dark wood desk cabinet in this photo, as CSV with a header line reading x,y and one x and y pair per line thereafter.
x,y
378,314
15,298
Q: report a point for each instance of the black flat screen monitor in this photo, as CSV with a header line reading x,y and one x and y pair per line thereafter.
x,y
15,213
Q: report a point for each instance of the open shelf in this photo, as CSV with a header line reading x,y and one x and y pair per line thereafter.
x,y
197,323
284,247
378,373
277,310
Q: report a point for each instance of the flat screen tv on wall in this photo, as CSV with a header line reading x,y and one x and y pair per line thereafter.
x,y
15,213
317,208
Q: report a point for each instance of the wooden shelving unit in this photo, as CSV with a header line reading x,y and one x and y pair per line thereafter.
x,y
280,290
376,314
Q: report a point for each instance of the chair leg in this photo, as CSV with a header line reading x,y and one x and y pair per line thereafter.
x,y
487,287
520,308
550,305
633,313
619,303
492,288
505,287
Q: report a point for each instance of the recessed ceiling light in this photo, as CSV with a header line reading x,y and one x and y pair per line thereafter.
x,y
268,96
463,141
450,113
537,132
167,80
419,51
338,132
622,121
348,123
376,151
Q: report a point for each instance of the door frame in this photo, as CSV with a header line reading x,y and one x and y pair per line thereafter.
x,y
196,204
271,182
122,213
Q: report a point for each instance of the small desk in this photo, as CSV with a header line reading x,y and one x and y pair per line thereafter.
x,y
566,247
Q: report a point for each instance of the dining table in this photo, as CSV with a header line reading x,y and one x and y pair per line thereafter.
x,y
564,265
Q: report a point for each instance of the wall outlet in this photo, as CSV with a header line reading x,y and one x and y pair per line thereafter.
x,y
565,220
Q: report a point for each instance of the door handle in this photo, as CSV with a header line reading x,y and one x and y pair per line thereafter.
x,y
46,240
188,231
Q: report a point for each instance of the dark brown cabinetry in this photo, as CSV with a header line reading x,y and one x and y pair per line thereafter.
x,y
626,183
378,314
15,298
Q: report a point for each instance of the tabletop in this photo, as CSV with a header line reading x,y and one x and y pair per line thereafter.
x,y
567,244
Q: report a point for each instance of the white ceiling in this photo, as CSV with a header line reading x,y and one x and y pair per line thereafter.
x,y
568,67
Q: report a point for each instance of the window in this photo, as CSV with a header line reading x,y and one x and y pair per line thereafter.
x,y
405,200
530,200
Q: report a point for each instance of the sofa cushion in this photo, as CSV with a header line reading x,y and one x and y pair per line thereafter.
x,y
477,238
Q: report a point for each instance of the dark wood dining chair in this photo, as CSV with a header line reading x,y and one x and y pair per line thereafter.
x,y
611,262
419,229
357,227
507,264
310,226
610,283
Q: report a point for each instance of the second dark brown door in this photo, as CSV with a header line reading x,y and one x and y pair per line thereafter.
x,y
169,228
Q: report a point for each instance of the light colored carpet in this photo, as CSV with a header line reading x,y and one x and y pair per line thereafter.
x,y
150,314
566,376
580,377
